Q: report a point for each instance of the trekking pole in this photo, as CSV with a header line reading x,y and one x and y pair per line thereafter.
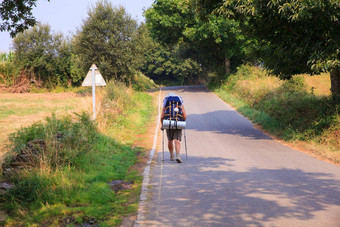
x,y
186,150
163,147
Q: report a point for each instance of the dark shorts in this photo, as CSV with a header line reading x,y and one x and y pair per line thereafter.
x,y
174,134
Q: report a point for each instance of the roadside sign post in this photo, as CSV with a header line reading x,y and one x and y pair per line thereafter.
x,y
94,91
94,78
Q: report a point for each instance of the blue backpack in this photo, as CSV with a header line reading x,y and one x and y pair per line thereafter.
x,y
173,109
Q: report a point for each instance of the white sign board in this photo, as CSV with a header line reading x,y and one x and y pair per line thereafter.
x,y
88,79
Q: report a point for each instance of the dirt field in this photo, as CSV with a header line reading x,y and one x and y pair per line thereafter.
x,y
20,110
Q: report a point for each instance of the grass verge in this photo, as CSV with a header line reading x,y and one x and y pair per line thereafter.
x,y
79,171
291,110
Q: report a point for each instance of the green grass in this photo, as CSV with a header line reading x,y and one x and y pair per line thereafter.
x,y
140,82
80,189
126,112
68,185
287,109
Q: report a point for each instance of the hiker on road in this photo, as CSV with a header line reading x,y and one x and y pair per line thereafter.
x,y
173,109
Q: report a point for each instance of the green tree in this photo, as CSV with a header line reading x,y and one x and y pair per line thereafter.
x,y
168,65
111,39
215,39
16,15
296,36
43,55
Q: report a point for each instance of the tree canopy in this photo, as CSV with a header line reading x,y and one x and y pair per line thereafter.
x,y
296,36
16,15
166,64
43,55
111,39
215,39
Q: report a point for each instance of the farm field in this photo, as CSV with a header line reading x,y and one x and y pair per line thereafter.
x,y
20,110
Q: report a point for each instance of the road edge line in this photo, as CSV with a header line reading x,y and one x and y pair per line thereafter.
x,y
146,174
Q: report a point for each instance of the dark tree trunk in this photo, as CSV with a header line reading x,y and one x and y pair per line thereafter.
x,y
227,65
335,81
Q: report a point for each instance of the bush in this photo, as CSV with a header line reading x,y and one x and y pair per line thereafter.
x,y
60,141
43,56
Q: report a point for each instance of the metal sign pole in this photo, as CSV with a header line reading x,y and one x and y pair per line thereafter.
x,y
94,92
90,80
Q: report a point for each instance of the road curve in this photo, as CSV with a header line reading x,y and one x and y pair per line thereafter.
x,y
237,176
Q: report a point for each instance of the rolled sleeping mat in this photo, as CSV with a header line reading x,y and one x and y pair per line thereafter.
x,y
171,124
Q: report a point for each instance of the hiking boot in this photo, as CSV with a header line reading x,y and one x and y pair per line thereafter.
x,y
172,157
178,159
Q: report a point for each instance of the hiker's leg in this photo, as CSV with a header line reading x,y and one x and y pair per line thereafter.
x,y
178,137
171,146
177,146
170,142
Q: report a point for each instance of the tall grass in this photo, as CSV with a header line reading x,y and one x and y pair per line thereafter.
x,y
125,111
69,182
8,71
63,140
288,109
7,56
140,82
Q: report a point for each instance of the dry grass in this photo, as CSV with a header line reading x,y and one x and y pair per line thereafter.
x,y
320,84
266,83
259,87
20,110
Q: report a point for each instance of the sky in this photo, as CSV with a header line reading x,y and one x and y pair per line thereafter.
x,y
67,15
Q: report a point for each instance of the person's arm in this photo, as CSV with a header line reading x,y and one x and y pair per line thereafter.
x,y
184,113
162,117
162,114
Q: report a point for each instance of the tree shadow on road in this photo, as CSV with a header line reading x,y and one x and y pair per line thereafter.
x,y
224,122
209,192
190,89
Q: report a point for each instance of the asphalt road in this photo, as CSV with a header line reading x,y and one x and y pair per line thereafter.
x,y
237,176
